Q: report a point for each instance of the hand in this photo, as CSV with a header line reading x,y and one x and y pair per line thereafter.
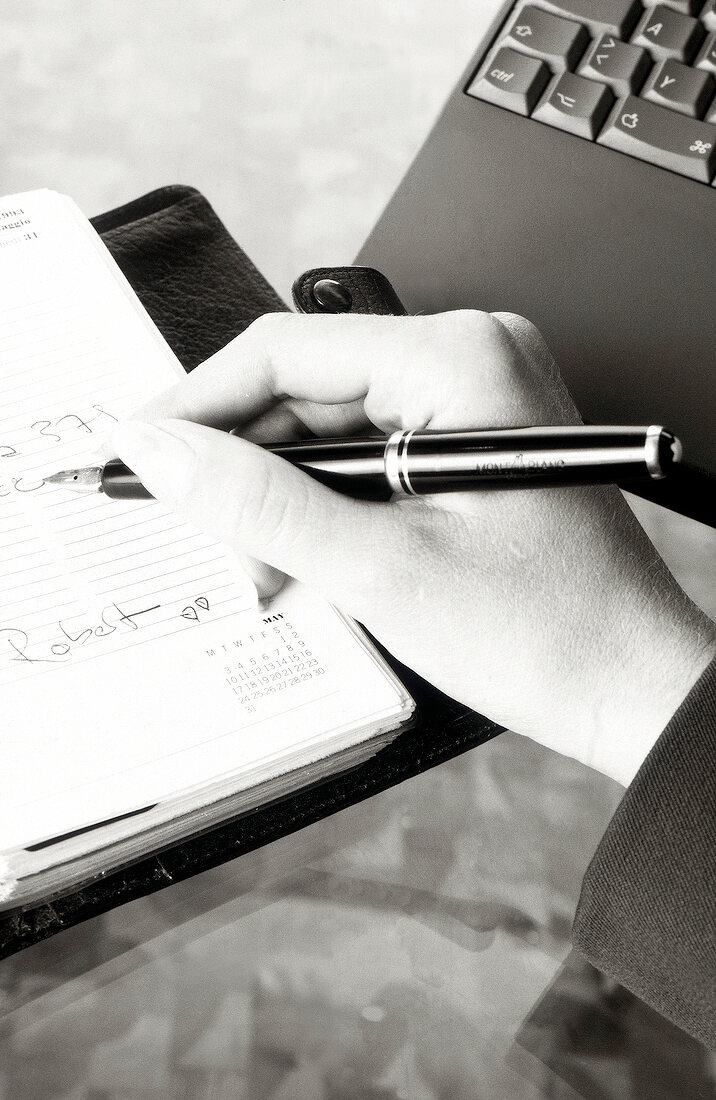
x,y
548,610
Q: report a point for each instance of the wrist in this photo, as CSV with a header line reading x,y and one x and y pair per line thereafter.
x,y
662,655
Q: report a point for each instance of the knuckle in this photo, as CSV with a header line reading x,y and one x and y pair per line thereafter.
x,y
265,337
524,331
266,327
535,372
467,324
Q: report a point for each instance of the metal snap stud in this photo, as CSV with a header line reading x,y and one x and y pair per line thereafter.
x,y
332,296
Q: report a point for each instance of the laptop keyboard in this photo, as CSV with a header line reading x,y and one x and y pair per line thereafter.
x,y
638,78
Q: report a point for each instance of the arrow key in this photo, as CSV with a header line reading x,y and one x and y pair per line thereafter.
x,y
620,65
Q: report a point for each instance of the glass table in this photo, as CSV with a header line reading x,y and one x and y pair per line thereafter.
x,y
415,945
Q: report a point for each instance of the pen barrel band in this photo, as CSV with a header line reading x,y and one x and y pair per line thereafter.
x,y
396,472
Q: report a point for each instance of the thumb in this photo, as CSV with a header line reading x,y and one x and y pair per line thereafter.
x,y
262,506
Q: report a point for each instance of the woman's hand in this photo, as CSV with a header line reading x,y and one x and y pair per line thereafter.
x,y
548,610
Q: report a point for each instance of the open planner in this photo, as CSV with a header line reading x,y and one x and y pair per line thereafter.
x,y
146,694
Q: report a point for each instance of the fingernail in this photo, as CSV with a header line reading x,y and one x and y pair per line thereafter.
x,y
162,461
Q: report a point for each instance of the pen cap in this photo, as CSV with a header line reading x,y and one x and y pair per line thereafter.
x,y
434,461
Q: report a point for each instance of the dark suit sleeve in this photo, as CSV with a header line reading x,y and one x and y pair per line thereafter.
x,y
646,915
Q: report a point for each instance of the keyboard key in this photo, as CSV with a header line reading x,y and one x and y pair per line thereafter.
x,y
575,104
511,80
618,17
540,34
680,87
686,7
707,54
621,66
668,33
662,137
708,15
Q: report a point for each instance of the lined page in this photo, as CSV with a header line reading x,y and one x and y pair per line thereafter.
x,y
134,659
84,575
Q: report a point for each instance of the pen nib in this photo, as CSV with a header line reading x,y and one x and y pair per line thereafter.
x,y
84,480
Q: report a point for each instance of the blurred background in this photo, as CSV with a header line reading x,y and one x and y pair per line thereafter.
x,y
417,945
296,118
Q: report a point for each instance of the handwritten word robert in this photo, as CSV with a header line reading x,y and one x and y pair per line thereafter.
x,y
16,644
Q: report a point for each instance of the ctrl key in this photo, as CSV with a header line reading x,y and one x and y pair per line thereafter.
x,y
511,80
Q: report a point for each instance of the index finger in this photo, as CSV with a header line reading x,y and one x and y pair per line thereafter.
x,y
269,362
462,369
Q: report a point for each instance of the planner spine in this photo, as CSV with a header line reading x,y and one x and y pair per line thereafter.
x,y
8,880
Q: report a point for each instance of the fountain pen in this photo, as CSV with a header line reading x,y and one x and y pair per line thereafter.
x,y
429,461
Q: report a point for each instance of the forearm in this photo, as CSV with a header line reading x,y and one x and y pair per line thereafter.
x,y
646,914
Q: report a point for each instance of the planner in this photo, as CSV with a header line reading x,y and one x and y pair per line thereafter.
x,y
147,694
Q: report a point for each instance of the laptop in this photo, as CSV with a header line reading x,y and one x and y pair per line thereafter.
x,y
570,178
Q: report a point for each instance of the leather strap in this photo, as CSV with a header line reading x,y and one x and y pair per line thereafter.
x,y
346,290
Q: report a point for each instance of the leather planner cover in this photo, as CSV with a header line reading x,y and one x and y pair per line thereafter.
x,y
201,290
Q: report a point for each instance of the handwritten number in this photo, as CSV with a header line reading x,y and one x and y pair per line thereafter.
x,y
44,431
52,431
80,422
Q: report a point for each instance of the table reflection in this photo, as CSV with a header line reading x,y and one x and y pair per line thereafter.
x,y
415,945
